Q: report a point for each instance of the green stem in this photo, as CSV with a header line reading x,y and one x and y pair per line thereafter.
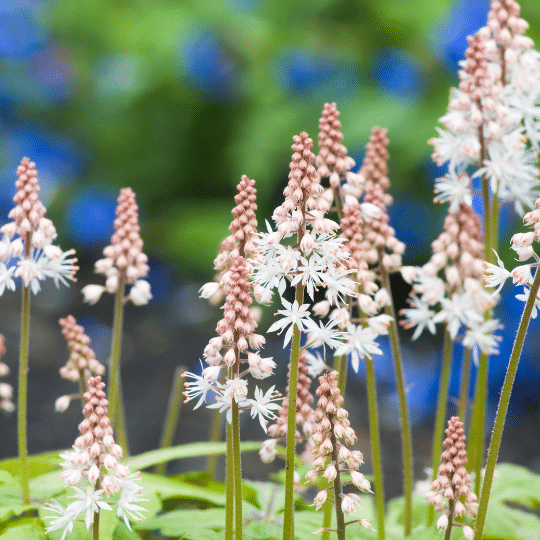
x,y
441,412
340,518
451,508
288,517
340,365
503,408
23,390
406,435
375,445
327,519
237,468
121,433
476,431
229,486
215,436
95,526
173,415
115,399
464,385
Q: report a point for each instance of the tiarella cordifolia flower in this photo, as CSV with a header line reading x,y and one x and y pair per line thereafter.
x,y
236,335
29,238
332,160
124,262
318,259
81,364
494,114
453,482
332,458
448,288
94,470
240,243
6,390
305,414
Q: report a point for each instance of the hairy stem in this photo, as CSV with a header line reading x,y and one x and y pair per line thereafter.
x,y
441,411
229,487
375,445
116,407
406,435
451,508
23,391
214,436
340,365
95,526
173,415
237,468
464,385
288,517
500,418
340,518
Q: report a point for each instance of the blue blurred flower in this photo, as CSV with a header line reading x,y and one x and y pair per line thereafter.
x,y
208,66
449,38
304,71
90,216
20,35
398,72
52,71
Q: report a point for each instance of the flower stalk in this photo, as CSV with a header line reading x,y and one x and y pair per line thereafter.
x,y
502,409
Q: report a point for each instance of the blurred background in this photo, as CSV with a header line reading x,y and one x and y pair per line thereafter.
x,y
178,99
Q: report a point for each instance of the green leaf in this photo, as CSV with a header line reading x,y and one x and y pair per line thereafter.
x,y
26,529
515,490
189,524
10,497
123,533
148,459
37,464
107,524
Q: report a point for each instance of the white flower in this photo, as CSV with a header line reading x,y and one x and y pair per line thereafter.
x,y
62,403
126,506
140,293
380,323
64,520
263,404
482,337
420,316
360,343
6,278
92,293
324,335
348,504
455,189
292,315
89,502
200,387
315,364
58,266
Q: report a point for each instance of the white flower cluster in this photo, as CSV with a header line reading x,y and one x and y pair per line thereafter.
x,y
493,119
522,244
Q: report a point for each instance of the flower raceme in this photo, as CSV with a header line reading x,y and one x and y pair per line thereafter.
x,y
124,262
94,471
29,239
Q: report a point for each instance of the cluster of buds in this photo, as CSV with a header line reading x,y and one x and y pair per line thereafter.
x,y
305,414
493,115
373,247
124,262
6,390
240,243
29,238
522,244
332,458
230,349
453,482
94,470
82,362
449,287
333,160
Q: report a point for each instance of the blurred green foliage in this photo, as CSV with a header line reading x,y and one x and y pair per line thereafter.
x,y
178,99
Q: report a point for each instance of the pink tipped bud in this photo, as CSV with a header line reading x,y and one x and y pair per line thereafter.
x,y
62,403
